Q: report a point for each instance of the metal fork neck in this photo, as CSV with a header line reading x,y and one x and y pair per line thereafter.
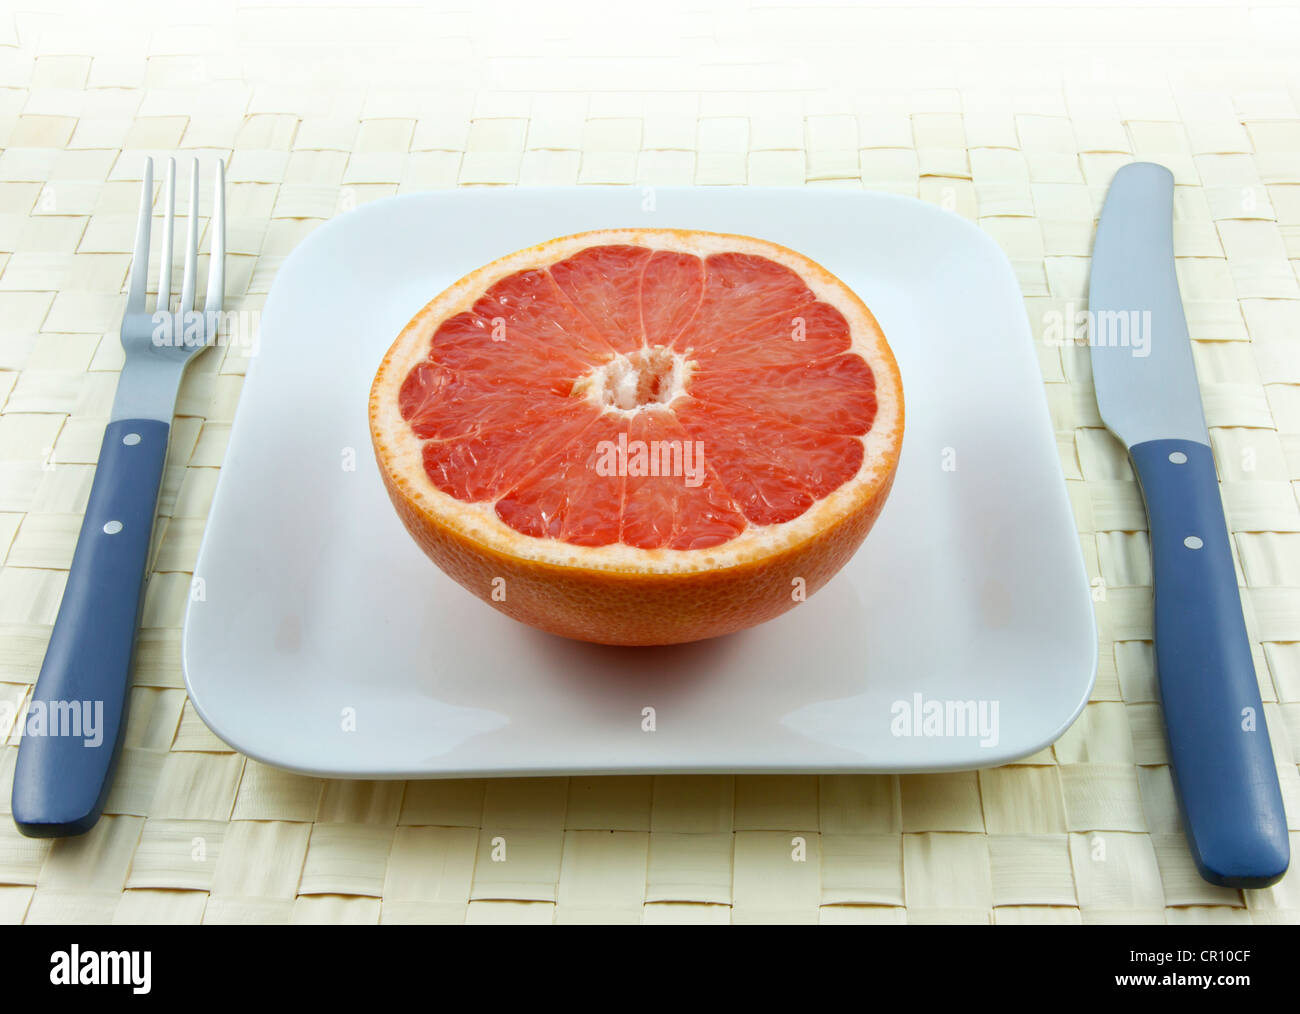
x,y
148,389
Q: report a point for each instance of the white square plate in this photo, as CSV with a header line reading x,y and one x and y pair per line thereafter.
x,y
325,641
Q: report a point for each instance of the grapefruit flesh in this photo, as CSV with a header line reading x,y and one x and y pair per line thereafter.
x,y
640,436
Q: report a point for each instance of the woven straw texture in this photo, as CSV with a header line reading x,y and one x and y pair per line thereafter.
x,y
319,110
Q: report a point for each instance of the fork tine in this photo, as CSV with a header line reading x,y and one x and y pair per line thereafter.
x,y
191,243
140,259
165,269
217,260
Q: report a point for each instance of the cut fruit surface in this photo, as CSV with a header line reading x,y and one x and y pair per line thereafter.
x,y
640,436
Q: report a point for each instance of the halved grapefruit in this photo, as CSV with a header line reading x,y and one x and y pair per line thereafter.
x,y
640,436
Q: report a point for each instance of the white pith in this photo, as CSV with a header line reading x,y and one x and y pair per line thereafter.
x,y
618,384
399,450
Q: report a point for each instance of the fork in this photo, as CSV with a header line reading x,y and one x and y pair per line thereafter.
x,y
72,732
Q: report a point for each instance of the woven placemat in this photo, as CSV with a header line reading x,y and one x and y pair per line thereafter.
x,y
1084,831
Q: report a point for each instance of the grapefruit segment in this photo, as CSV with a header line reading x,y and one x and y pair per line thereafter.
x,y
481,465
774,471
740,291
671,289
835,395
519,332
466,346
441,405
640,436
603,285
792,337
673,500
565,497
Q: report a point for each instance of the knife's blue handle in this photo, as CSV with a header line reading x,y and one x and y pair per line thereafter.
x,y
1218,742
73,729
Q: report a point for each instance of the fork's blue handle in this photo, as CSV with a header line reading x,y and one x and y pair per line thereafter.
x,y
73,731
1223,764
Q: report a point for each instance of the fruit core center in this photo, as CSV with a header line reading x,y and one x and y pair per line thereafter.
x,y
631,381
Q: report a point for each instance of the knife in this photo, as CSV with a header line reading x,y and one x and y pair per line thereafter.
x,y
1149,398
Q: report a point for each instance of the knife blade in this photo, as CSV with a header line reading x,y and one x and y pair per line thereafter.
x,y
1149,397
